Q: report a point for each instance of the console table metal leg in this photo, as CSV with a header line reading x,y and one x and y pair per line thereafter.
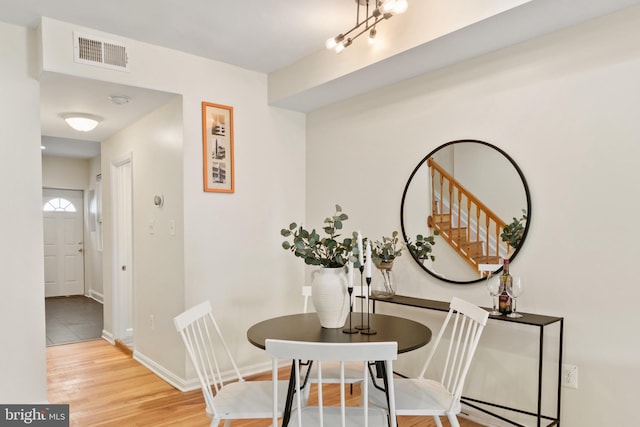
x,y
540,366
560,343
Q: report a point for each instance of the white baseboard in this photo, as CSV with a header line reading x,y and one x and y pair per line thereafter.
x,y
171,378
96,296
191,384
108,336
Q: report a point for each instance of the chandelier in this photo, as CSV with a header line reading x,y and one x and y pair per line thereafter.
x,y
368,14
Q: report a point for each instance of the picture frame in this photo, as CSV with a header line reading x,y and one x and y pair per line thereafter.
x,y
217,148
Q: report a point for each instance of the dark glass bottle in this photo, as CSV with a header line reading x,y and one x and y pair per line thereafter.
x,y
504,300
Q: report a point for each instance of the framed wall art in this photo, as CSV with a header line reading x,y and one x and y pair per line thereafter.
x,y
217,147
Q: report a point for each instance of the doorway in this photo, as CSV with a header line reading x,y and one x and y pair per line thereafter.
x,y
122,210
59,93
70,315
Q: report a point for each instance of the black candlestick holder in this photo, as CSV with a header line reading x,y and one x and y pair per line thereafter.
x,y
350,330
368,330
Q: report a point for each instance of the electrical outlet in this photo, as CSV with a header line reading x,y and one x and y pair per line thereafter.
x,y
569,376
152,320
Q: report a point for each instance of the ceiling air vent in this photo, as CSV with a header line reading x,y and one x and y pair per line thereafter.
x,y
100,52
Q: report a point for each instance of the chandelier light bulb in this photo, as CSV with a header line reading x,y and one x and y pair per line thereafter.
x,y
339,47
400,6
388,6
334,41
372,36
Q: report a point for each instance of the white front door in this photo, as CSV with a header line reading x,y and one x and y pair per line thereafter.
x,y
63,242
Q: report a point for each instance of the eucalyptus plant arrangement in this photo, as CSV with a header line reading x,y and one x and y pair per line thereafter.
x,y
512,233
386,250
422,247
327,251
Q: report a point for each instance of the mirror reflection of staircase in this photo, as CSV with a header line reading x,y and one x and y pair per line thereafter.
x,y
464,222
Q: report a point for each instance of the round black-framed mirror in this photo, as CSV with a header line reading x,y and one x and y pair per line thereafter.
x,y
477,198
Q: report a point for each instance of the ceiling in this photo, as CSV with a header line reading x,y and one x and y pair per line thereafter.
x,y
61,94
264,36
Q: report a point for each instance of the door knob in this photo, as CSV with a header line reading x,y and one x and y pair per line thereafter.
x,y
80,250
124,268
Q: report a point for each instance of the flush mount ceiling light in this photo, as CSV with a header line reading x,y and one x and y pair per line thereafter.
x,y
81,121
368,14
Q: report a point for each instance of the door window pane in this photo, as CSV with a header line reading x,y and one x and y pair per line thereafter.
x,y
59,204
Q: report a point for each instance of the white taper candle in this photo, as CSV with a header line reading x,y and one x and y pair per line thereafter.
x,y
368,264
360,250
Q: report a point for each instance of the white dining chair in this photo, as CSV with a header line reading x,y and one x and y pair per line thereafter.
x,y
331,370
421,396
235,398
321,415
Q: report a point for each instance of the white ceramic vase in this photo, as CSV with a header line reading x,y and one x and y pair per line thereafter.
x,y
330,296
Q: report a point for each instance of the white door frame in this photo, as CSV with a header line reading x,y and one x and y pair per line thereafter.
x,y
122,247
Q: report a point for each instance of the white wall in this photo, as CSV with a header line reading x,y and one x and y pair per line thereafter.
x,y
65,172
23,358
565,108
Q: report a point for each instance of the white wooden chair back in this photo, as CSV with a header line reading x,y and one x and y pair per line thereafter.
x,y
463,326
205,346
341,352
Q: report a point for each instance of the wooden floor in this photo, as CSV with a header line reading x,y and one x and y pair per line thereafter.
x,y
104,386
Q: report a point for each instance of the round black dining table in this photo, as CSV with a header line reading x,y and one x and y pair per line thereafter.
x,y
409,334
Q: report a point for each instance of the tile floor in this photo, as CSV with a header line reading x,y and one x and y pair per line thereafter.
x,y
72,319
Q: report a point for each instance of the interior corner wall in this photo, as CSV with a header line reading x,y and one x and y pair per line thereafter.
x,y
23,355
565,108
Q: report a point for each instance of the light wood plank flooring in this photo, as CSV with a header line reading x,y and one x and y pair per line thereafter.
x,y
104,386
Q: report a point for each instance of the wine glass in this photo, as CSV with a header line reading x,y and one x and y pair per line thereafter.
x,y
493,285
515,290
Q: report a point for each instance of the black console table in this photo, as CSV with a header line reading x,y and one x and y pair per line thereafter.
x,y
531,319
